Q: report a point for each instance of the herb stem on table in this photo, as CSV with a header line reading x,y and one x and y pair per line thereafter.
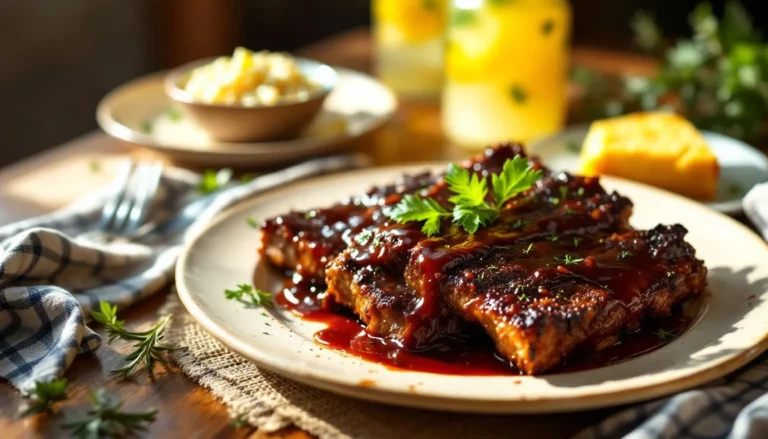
x,y
148,345
106,418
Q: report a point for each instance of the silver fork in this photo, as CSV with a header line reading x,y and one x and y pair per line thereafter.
x,y
133,190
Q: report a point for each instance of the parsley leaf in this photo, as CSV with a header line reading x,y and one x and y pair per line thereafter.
x,y
472,217
469,188
413,208
252,221
516,176
665,335
528,249
214,180
249,295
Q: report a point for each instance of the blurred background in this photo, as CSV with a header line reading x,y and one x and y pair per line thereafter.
x,y
60,58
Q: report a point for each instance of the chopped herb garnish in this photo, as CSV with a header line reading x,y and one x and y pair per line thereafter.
x,y
576,241
553,238
518,94
214,180
554,200
247,178
173,114
493,267
625,254
148,345
518,225
665,335
239,422
528,249
43,396
252,221
471,210
310,214
580,192
376,241
568,260
563,190
146,127
573,146
107,419
249,295
94,166
463,17
547,27
569,211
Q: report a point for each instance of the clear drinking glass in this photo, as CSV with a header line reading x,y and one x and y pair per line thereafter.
x,y
409,45
506,70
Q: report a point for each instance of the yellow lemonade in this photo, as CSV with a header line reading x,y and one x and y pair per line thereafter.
x,y
506,69
409,42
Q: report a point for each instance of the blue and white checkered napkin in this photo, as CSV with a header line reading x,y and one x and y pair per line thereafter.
x,y
51,275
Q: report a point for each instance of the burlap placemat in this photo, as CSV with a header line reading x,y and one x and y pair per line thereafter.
x,y
270,402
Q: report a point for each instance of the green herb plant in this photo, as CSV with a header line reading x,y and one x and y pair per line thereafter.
x,y
718,78
148,346
44,396
107,419
471,208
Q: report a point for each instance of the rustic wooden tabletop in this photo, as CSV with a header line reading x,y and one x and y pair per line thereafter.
x,y
52,179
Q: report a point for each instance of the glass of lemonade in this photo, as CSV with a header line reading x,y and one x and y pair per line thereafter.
x,y
506,70
409,44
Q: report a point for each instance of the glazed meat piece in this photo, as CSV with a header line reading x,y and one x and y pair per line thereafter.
x,y
304,242
540,301
559,207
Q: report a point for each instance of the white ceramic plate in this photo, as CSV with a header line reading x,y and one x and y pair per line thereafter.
x,y
741,166
730,332
139,112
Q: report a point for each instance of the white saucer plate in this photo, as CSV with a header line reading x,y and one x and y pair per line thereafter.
x,y
139,112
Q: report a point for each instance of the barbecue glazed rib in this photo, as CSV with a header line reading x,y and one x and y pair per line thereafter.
x,y
561,268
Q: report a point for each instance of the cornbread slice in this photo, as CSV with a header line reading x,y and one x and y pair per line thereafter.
x,y
661,149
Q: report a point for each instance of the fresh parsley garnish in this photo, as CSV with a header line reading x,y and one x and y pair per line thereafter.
x,y
518,225
252,221
625,254
249,295
563,190
576,241
471,209
568,259
148,345
107,419
146,127
214,180
43,396
528,249
414,208
553,238
580,191
665,335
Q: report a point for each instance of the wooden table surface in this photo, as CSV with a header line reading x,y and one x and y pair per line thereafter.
x,y
52,179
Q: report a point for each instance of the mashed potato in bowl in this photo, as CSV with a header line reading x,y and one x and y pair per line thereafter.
x,y
251,79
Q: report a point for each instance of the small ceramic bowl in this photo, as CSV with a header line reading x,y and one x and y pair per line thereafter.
x,y
240,123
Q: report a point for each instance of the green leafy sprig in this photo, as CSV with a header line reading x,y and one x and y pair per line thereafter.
x,y
43,397
471,207
107,419
249,295
718,78
148,346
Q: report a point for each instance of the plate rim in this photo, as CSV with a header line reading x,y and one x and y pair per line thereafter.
x,y
290,147
729,207
461,404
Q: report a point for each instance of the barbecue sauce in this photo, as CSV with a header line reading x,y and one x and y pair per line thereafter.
x,y
473,354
